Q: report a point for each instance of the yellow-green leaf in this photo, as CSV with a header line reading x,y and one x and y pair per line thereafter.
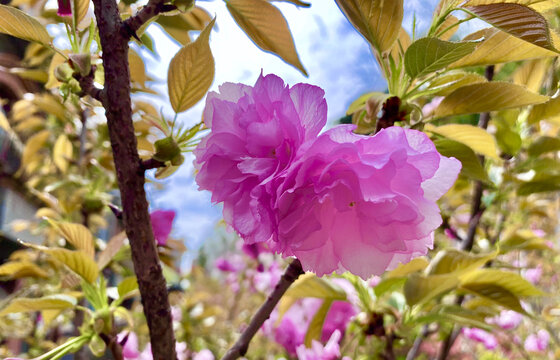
x,y
17,23
474,137
539,184
427,55
421,289
32,146
137,67
496,294
113,247
457,261
127,285
522,241
532,74
62,151
486,97
445,84
518,20
412,266
379,21
550,110
316,325
77,235
539,5
401,44
471,166
80,9
543,145
309,285
191,72
500,47
510,281
20,269
78,261
450,25
267,27
52,302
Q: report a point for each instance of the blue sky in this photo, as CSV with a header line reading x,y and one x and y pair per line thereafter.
x,y
336,57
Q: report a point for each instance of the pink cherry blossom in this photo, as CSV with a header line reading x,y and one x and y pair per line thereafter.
x,y
204,355
362,204
481,336
533,275
162,222
255,135
508,319
330,351
537,342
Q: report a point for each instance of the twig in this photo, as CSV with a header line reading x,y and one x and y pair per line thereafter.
x,y
113,345
239,349
117,211
151,164
136,219
87,86
152,9
476,213
411,355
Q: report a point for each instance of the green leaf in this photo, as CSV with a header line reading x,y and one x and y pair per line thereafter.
x,y
518,20
296,2
510,281
127,285
445,84
539,5
414,265
267,27
191,72
316,325
539,184
550,110
543,145
508,138
471,164
457,261
20,269
309,285
500,47
496,294
522,241
474,137
427,55
420,289
379,21
78,261
388,285
17,23
51,302
62,152
77,235
486,97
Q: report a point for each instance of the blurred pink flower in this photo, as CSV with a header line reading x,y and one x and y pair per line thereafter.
x,y
162,222
131,352
533,275
203,355
362,204
508,319
290,332
330,351
481,336
537,342
256,133
230,264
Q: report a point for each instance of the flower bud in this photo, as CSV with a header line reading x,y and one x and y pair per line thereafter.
x,y
63,72
81,63
166,149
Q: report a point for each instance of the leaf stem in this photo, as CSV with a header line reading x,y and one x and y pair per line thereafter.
x,y
239,349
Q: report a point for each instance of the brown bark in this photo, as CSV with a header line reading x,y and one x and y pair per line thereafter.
x,y
114,36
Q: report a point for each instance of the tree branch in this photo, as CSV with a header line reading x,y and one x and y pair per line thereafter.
x,y
88,88
151,164
136,219
476,213
152,9
239,349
